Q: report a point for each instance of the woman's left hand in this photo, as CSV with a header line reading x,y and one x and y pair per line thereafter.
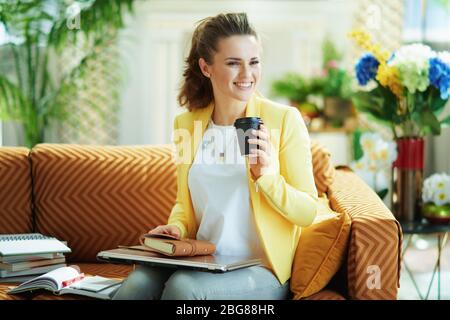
x,y
259,159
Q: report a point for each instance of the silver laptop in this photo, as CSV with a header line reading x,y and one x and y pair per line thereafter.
x,y
211,263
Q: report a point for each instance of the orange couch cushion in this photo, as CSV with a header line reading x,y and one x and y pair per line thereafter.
x,y
15,191
376,238
99,197
320,252
323,168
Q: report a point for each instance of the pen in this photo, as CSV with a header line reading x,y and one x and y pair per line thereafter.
x,y
69,282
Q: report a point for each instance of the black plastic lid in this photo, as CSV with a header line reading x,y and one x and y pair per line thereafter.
x,y
240,120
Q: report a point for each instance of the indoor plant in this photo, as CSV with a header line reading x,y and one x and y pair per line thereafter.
x,y
334,85
31,92
410,88
296,88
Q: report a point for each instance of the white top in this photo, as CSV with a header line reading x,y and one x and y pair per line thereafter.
x,y
220,196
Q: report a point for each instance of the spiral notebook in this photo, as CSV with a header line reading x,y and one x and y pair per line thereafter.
x,y
30,243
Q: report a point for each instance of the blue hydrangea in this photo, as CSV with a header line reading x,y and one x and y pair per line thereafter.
x,y
366,68
439,75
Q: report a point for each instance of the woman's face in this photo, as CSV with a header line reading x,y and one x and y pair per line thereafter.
x,y
236,68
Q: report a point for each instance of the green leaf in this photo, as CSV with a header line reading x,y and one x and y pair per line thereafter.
x,y
428,119
13,103
382,193
437,104
445,122
292,86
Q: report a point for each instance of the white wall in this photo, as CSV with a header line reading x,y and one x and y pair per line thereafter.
x,y
157,40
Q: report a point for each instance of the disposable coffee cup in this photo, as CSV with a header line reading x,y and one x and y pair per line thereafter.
x,y
244,127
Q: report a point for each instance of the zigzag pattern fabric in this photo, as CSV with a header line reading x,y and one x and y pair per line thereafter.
x,y
15,191
323,168
99,197
374,256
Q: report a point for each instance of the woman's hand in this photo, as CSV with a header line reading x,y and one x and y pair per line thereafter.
x,y
259,159
167,229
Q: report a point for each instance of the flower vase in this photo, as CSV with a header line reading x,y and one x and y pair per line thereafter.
x,y
407,179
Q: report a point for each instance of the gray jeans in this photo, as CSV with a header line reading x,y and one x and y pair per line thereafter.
x,y
153,283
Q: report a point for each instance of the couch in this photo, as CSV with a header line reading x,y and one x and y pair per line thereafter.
x,y
99,197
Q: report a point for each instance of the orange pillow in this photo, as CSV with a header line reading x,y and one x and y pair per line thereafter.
x,y
320,251
323,168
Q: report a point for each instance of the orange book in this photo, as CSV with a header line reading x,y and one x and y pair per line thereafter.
x,y
171,246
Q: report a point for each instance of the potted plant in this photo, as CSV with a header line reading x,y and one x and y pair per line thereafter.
x,y
334,85
296,88
410,88
31,93
436,198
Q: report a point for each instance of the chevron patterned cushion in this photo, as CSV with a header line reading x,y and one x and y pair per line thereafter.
x,y
323,168
374,252
99,197
320,252
15,190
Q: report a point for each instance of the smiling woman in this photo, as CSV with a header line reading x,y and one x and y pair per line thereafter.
x,y
251,206
222,59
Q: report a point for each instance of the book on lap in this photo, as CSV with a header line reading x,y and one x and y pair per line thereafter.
x,y
69,280
144,255
162,250
171,246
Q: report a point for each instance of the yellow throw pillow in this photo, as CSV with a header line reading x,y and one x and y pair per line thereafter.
x,y
323,168
320,251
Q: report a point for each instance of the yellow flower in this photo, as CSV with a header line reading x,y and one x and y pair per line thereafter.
x,y
389,77
383,155
373,156
359,166
386,75
363,39
368,145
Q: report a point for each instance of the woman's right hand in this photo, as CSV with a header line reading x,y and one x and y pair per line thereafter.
x,y
167,229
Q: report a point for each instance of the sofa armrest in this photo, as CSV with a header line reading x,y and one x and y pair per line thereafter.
x,y
374,254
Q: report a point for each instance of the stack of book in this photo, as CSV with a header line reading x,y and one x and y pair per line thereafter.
x,y
30,254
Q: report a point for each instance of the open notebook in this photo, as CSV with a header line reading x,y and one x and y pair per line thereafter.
x,y
68,280
30,244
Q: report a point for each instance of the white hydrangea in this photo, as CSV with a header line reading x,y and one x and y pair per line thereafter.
x,y
412,62
436,189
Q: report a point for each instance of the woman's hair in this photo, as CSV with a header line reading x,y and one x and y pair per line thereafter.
x,y
196,90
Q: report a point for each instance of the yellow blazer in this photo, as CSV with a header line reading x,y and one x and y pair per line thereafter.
x,y
282,202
